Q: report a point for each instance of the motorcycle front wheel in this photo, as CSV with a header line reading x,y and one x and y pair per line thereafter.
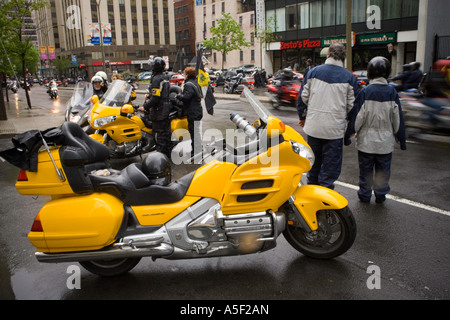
x,y
335,235
110,267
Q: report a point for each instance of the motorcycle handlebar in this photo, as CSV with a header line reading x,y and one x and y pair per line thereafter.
x,y
243,124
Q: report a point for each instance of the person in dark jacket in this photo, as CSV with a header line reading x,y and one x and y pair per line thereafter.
x,y
410,78
157,104
377,120
191,98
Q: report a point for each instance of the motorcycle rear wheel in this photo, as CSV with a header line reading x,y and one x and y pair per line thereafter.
x,y
335,235
110,267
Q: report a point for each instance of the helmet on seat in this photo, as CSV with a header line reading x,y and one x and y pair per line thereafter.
x,y
157,168
378,67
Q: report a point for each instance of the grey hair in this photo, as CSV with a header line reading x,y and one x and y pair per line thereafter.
x,y
337,51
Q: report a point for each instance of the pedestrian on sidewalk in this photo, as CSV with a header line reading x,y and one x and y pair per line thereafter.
x,y
326,97
377,121
191,98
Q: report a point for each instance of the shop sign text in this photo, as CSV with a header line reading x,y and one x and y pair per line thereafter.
x,y
300,44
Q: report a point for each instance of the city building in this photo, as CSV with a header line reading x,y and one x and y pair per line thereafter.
x,y
402,30
242,11
132,31
184,33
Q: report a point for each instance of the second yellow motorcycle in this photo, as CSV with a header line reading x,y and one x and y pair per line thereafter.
x,y
121,130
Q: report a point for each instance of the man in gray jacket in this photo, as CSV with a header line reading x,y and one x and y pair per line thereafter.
x,y
327,96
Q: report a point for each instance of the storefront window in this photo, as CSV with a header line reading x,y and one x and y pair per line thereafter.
x,y
291,17
410,8
341,11
304,15
392,9
358,11
280,21
329,10
270,15
316,14
378,3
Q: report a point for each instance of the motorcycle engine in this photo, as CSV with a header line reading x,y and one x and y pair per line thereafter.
x,y
213,226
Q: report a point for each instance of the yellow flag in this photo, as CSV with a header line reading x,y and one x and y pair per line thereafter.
x,y
203,78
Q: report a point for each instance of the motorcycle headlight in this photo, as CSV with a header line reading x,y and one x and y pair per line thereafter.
x,y
75,118
303,151
100,122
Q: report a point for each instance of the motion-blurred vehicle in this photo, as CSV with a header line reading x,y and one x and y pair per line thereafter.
x,y
288,97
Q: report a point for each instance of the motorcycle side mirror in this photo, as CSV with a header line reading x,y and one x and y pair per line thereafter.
x,y
94,99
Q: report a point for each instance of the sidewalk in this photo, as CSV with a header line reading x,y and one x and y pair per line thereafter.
x,y
21,119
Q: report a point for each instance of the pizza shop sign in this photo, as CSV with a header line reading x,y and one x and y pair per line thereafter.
x,y
300,44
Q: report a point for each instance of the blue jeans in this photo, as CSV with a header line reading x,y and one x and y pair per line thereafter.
x,y
374,173
328,161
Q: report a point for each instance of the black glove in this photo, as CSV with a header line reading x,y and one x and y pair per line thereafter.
x,y
347,141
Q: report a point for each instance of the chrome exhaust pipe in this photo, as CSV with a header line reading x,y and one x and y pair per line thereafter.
x,y
114,252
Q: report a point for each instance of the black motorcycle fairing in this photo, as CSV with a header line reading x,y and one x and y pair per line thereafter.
x,y
133,187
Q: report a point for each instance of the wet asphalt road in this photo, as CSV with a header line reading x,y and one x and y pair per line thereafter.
x,y
407,238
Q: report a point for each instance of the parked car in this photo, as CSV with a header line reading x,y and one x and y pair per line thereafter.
x,y
247,68
144,75
177,79
361,77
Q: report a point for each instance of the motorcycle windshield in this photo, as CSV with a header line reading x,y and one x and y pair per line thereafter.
x,y
81,97
118,94
262,112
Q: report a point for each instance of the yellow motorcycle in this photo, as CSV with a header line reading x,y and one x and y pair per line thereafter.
x,y
239,202
118,127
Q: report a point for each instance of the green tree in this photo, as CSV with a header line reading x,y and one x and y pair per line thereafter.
x,y
14,14
62,63
227,36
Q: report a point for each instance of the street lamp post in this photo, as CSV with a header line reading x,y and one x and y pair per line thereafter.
x,y
98,2
349,35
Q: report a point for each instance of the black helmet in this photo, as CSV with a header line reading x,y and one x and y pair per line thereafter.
x,y
378,67
157,168
415,65
288,72
159,65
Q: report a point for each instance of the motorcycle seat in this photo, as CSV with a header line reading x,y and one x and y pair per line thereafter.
x,y
80,154
134,188
79,148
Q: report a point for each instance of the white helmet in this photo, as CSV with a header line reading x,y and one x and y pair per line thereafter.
x,y
102,75
96,79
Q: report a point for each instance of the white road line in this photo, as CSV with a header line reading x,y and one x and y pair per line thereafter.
x,y
401,200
